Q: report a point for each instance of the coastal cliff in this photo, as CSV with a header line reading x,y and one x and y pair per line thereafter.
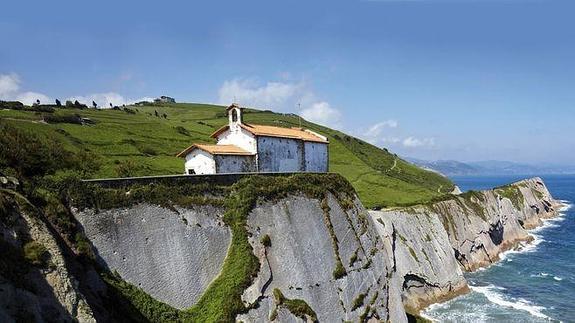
x,y
436,241
280,249
295,248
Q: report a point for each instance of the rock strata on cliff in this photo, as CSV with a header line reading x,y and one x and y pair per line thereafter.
x,y
309,240
173,254
275,249
468,231
35,285
422,255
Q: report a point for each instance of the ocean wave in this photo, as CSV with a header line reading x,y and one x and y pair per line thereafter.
x,y
538,239
567,205
545,275
549,223
540,275
493,294
523,247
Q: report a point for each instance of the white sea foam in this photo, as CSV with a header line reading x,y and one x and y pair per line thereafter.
x,y
427,317
493,294
546,275
522,247
567,205
549,223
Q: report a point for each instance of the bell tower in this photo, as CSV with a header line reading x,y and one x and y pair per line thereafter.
x,y
235,116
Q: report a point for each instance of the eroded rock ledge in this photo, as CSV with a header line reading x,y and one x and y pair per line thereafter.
x,y
435,242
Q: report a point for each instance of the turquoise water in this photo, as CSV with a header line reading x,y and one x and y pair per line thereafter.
x,y
535,284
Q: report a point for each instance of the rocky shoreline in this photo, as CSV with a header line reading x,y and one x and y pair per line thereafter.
x,y
439,241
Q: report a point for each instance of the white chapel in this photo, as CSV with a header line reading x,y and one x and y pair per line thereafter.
x,y
243,147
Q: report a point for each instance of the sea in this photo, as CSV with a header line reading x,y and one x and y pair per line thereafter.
x,y
534,284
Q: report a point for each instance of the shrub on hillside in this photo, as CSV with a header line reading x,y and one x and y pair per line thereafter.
x,y
126,168
75,105
147,150
12,105
32,156
47,108
73,119
182,130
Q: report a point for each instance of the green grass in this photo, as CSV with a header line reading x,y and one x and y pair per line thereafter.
x,y
358,301
151,143
513,193
297,307
148,307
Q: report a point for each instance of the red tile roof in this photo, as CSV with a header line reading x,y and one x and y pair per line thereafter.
x,y
271,131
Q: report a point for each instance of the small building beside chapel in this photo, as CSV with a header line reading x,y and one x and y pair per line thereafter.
x,y
243,147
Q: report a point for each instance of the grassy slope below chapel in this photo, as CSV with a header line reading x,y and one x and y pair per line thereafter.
x,y
149,144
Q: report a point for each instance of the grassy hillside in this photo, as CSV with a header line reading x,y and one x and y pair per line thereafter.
x,y
143,144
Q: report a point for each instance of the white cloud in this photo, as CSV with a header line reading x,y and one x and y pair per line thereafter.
x,y
104,99
9,84
374,132
322,113
390,140
412,142
10,90
272,95
284,96
30,98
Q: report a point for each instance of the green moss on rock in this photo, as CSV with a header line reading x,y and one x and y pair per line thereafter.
x,y
358,302
266,241
512,193
297,307
36,254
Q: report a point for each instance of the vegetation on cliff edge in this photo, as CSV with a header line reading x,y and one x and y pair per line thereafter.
x,y
139,143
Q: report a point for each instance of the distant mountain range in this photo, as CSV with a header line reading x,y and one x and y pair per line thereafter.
x,y
490,167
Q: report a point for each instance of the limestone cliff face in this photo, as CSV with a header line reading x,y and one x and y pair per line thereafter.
x,y
422,255
307,242
35,285
482,225
173,255
467,231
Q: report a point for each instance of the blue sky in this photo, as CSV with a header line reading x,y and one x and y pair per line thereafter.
x,y
435,79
